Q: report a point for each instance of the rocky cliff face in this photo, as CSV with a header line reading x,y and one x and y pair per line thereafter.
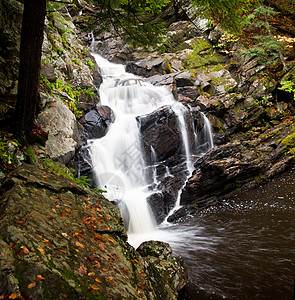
x,y
62,241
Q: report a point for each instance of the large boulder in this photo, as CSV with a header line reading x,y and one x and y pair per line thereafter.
x,y
220,171
59,240
161,132
65,134
149,66
97,121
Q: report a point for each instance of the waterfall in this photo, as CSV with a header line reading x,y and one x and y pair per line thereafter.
x,y
204,139
118,158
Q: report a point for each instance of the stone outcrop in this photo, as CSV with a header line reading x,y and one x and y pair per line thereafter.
x,y
160,131
65,134
97,121
61,241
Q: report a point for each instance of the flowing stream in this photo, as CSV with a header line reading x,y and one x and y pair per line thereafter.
x,y
244,248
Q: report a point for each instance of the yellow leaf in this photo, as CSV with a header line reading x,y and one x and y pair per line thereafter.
x,y
41,250
97,280
39,278
79,245
111,240
31,285
12,296
94,287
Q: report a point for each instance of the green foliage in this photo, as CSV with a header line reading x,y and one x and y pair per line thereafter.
x,y
288,86
75,60
138,22
63,171
73,93
13,153
8,148
230,14
90,63
266,48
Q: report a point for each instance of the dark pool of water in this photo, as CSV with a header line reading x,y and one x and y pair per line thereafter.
x,y
244,248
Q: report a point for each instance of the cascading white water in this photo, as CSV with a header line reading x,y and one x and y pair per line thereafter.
x,y
118,158
204,139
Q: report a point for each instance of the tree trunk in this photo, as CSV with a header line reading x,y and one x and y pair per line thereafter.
x,y
30,64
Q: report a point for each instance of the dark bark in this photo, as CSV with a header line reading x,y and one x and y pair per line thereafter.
x,y
30,63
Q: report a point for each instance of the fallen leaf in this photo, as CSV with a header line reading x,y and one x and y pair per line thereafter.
x,y
111,240
91,274
110,278
97,265
25,250
97,280
79,245
82,270
64,234
94,287
41,250
31,285
39,278
12,296
102,247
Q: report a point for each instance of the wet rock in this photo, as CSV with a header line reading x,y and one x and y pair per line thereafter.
x,y
149,67
221,170
157,205
167,80
160,130
191,92
97,121
154,251
184,79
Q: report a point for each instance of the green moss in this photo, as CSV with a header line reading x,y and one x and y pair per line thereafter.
x,y
289,141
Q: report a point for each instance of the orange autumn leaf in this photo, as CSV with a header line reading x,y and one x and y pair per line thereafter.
x,y
79,245
41,250
102,247
97,280
95,287
25,250
12,296
40,278
110,278
91,274
97,265
31,285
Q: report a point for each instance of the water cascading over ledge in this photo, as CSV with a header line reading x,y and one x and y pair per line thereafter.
x,y
147,154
